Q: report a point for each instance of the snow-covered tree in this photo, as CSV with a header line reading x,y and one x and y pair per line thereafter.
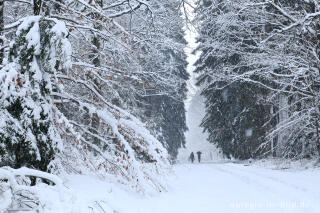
x,y
28,132
1,31
276,46
163,105
119,57
234,118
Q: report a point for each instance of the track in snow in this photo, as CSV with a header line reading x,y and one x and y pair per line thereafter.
x,y
209,188
228,188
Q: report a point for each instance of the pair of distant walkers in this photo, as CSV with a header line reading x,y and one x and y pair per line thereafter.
x,y
192,156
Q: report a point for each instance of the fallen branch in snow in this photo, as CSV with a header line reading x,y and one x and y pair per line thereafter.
x,y
16,192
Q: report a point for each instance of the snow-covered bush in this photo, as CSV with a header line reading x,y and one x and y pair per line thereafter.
x,y
124,149
17,194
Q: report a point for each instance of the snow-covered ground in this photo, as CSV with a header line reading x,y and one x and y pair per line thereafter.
x,y
211,187
228,187
222,187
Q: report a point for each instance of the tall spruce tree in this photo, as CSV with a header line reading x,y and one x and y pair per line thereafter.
x,y
28,132
234,117
164,107
234,120
168,115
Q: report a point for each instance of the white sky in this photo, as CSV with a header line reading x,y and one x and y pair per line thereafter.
x,y
191,58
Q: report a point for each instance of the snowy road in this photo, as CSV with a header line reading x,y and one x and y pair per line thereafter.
x,y
222,188
226,188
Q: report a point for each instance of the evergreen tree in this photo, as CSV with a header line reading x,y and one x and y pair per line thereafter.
x,y
234,117
120,58
234,120
28,132
273,45
164,107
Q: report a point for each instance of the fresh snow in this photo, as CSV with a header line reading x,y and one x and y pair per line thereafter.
x,y
249,132
222,187
207,188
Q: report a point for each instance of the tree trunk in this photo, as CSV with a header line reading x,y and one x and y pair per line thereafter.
x,y
283,116
37,7
1,31
95,40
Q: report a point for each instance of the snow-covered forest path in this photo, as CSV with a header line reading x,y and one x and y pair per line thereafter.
x,y
219,188
228,188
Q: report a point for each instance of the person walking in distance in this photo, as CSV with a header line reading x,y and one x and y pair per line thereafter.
x,y
191,157
199,156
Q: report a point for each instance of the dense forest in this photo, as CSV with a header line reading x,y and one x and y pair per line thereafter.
x,y
92,86
99,85
93,113
259,69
